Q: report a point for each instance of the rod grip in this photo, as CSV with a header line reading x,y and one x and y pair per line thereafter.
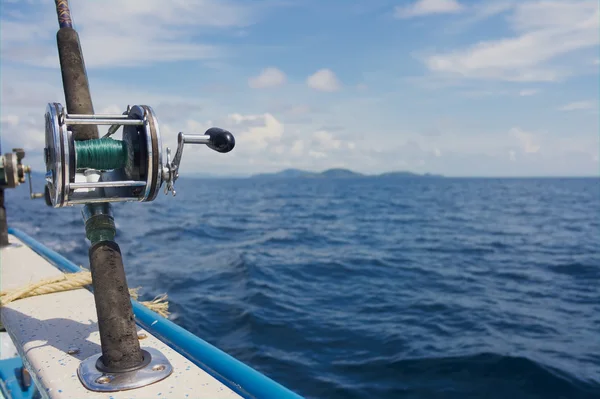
x,y
75,81
118,334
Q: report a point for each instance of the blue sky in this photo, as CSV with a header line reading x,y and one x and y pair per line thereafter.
x,y
462,88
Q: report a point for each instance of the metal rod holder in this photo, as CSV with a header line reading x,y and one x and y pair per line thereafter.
x,y
158,368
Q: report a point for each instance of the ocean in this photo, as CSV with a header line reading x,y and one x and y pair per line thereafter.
x,y
371,288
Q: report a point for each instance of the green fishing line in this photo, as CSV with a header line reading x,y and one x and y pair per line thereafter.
x,y
101,154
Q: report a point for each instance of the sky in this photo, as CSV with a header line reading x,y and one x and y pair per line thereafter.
x,y
456,87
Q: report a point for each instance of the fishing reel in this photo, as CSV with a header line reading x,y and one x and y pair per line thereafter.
x,y
107,170
12,172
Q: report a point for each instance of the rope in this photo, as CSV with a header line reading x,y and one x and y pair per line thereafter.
x,y
73,281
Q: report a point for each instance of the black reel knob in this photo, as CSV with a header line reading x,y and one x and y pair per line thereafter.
x,y
20,153
220,140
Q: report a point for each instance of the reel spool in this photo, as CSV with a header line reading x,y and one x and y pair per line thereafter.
x,y
108,170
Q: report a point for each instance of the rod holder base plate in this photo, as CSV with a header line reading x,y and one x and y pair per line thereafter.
x,y
93,379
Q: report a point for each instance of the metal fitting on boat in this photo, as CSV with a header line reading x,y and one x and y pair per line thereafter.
x,y
129,169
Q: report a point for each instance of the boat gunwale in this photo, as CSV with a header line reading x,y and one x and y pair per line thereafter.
x,y
236,375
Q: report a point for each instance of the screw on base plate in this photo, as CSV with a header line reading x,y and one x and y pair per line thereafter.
x,y
93,379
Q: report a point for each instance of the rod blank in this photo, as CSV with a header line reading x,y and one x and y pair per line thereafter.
x,y
75,81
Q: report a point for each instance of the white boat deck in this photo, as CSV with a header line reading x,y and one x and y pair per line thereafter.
x,y
46,328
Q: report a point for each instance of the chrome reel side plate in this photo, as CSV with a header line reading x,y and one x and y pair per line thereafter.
x,y
57,172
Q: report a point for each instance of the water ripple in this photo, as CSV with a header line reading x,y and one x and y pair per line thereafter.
x,y
452,288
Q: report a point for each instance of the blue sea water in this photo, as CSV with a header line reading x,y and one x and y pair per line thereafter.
x,y
372,288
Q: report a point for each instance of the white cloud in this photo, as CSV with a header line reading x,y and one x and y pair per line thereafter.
x,y
257,131
28,130
325,140
111,109
266,142
297,148
428,7
269,131
526,140
578,105
488,9
297,110
479,12
154,33
269,77
323,80
317,154
26,93
544,31
528,92
279,149
10,120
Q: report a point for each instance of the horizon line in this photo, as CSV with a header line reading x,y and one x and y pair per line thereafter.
x,y
417,176
376,174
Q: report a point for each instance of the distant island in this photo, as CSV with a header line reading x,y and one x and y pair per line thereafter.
x,y
339,173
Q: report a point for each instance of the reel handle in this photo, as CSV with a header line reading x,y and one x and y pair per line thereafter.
x,y
32,195
215,138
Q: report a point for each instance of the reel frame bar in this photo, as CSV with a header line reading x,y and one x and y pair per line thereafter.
x,y
85,201
105,184
96,116
99,121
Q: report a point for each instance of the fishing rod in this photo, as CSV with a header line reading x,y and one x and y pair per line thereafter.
x,y
83,168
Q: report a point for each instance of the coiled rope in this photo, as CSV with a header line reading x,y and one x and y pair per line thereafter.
x,y
73,281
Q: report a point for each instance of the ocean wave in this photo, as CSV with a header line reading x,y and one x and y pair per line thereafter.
x,y
486,375
368,288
